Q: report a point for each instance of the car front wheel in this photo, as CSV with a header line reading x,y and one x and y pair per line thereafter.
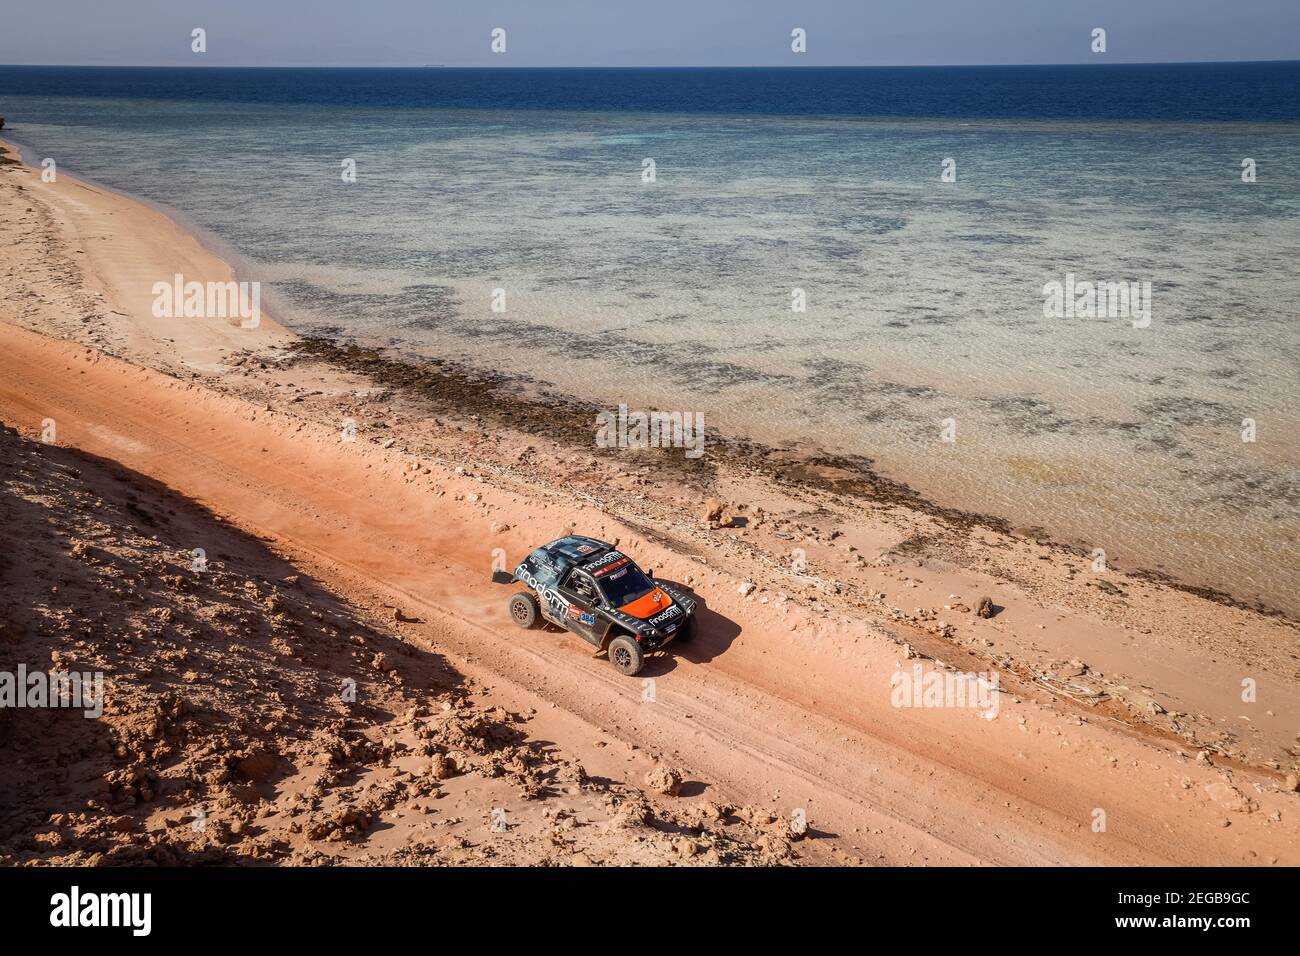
x,y
625,654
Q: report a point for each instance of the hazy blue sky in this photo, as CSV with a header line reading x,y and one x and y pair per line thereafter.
x,y
643,32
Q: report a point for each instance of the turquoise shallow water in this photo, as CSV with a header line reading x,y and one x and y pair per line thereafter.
x,y
924,298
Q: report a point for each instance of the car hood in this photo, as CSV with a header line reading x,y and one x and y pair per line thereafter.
x,y
643,607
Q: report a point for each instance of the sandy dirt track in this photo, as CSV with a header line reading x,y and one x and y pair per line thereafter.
x,y
752,711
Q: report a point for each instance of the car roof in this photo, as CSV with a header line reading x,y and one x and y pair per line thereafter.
x,y
574,549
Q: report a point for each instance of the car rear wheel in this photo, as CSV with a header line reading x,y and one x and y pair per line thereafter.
x,y
523,609
625,654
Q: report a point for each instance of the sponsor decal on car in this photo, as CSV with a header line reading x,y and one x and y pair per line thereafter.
x,y
606,563
665,615
554,601
581,616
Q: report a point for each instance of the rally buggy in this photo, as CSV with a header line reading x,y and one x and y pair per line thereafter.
x,y
591,588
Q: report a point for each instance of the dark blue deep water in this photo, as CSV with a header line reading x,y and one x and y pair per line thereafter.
x,y
1202,91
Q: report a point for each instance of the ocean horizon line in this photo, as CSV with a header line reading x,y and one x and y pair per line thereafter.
x,y
650,66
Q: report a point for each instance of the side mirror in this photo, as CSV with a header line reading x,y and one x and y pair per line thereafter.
x,y
650,574
502,577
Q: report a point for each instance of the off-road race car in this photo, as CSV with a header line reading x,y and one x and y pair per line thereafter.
x,y
591,588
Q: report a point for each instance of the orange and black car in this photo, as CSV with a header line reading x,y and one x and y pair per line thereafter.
x,y
591,588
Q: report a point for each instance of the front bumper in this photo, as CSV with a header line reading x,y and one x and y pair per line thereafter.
x,y
666,635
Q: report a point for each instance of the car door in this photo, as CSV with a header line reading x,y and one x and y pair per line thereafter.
x,y
579,590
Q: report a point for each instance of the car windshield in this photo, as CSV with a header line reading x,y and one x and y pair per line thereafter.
x,y
624,585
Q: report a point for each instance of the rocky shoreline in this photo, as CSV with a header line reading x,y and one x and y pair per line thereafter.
x,y
448,388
